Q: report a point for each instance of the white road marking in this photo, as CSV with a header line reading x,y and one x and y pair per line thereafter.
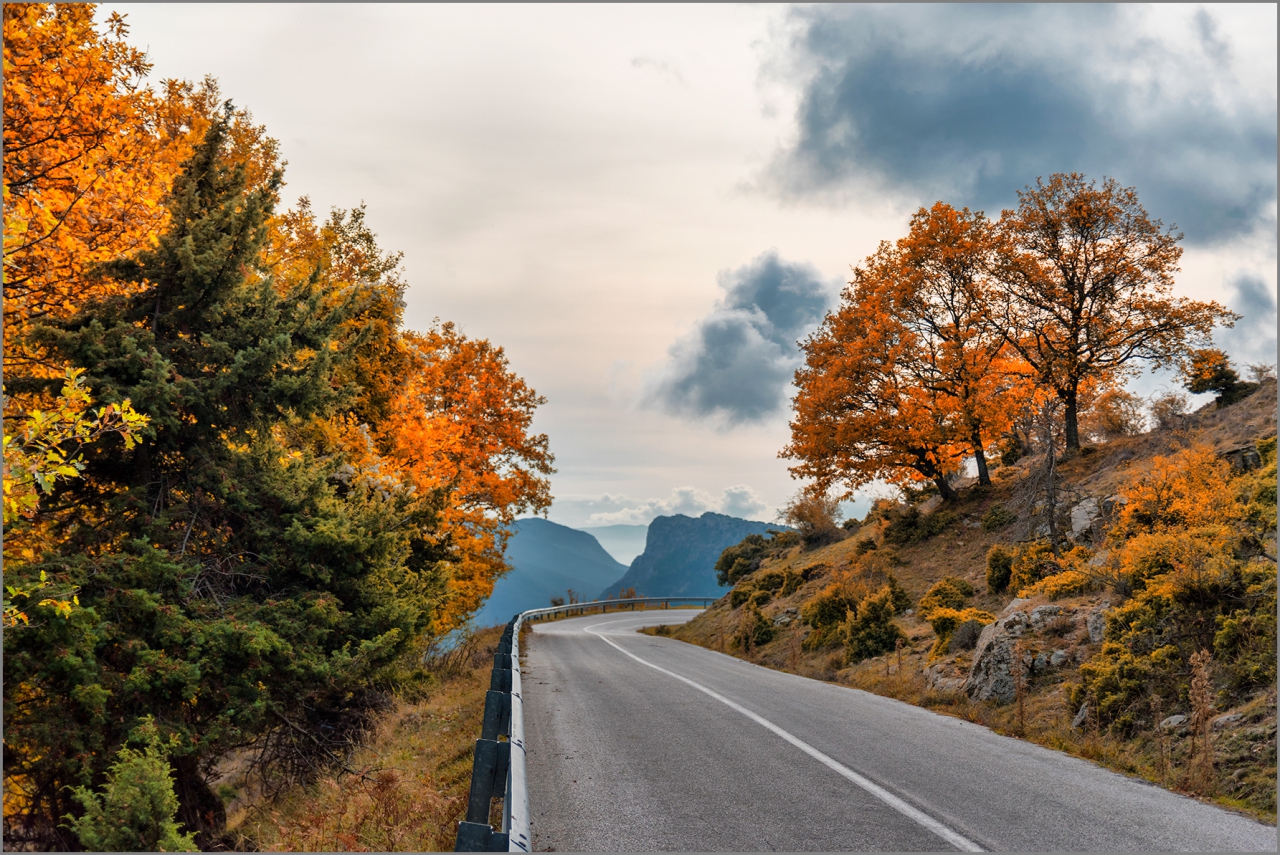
x,y
957,840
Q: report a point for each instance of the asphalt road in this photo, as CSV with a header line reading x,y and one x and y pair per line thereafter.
x,y
640,743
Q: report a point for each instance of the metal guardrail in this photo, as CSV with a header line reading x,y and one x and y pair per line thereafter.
x,y
498,763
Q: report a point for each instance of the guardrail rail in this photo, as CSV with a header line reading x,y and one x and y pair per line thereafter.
x,y
502,764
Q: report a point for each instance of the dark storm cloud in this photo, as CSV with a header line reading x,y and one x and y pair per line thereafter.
x,y
1253,338
739,360
972,103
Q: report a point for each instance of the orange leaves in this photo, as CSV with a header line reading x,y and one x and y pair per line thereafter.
x,y
84,163
461,426
911,374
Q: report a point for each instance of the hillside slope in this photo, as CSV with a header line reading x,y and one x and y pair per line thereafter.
x,y
1097,635
547,559
680,554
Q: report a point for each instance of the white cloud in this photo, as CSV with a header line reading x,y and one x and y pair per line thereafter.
x,y
739,500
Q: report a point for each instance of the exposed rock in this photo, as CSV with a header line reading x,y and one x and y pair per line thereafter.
x,y
1096,622
1014,606
1083,516
930,505
1245,458
942,677
990,677
965,636
1111,503
1082,715
1174,721
1058,659
1226,720
1099,558
1040,614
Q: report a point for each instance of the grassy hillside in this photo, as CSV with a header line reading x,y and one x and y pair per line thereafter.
x,y
1114,630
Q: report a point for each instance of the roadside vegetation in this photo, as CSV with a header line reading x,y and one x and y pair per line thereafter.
x,y
241,500
1147,643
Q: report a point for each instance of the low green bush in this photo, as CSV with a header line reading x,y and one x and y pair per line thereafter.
x,y
137,807
910,526
871,631
997,517
948,592
999,567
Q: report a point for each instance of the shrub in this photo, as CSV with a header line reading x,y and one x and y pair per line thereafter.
x,y
997,517
864,546
1031,563
1168,409
824,613
791,583
1226,606
817,518
999,567
1068,583
948,592
136,809
754,629
910,526
747,555
944,621
898,595
771,580
1114,413
741,594
871,631
760,598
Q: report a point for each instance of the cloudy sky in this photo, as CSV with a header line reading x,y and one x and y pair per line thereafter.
x,y
647,206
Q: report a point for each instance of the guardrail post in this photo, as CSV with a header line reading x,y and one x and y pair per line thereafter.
x,y
486,762
497,715
500,681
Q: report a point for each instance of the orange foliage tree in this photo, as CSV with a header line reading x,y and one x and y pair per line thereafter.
x,y
942,273
86,163
911,373
1088,276
462,426
860,414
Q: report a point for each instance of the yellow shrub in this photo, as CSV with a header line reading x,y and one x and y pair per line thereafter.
x,y
1068,583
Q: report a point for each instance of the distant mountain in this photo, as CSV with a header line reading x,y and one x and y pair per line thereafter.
x,y
623,542
680,555
546,560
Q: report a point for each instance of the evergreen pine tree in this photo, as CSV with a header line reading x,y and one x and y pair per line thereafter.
x,y
231,586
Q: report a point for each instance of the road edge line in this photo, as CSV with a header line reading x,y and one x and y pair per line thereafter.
x,y
910,811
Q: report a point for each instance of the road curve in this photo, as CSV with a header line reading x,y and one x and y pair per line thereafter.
x,y
640,743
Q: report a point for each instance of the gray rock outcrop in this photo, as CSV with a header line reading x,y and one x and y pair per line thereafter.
x,y
991,677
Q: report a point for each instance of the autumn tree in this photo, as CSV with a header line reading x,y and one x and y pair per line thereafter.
x,y
941,273
1088,276
860,414
85,161
461,426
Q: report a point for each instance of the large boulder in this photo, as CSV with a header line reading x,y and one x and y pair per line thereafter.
x,y
1083,516
991,677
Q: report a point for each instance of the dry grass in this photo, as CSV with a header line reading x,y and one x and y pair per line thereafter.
x,y
416,766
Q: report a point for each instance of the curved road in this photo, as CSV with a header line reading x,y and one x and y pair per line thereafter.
x,y
642,743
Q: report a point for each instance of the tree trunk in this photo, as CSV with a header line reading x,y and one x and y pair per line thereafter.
x,y
200,810
945,490
1071,421
980,457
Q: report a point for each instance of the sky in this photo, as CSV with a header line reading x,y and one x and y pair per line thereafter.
x,y
647,206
